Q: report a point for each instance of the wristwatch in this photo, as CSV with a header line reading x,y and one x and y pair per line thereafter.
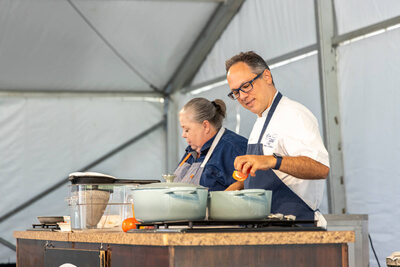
x,y
278,161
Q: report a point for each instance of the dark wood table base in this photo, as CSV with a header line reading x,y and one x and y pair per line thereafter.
x,y
32,253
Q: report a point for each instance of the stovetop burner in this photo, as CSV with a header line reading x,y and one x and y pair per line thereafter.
x,y
204,226
44,227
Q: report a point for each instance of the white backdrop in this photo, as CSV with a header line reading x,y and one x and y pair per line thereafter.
x,y
44,140
369,83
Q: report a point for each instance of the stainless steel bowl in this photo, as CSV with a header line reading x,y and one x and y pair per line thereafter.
x,y
50,219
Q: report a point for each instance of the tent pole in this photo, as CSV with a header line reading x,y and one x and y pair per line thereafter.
x,y
8,244
325,22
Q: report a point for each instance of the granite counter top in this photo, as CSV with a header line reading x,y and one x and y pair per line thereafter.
x,y
194,239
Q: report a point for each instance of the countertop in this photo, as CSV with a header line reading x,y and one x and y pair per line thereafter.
x,y
193,239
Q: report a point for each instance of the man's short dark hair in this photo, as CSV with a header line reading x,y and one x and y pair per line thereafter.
x,y
256,63
253,60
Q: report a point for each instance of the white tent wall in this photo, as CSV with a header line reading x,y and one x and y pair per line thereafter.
x,y
45,139
356,14
369,72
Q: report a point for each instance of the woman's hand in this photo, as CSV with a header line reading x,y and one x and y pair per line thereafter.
x,y
239,185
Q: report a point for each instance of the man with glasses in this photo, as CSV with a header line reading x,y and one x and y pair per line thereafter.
x,y
285,151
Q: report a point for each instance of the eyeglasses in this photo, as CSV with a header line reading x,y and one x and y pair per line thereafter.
x,y
246,87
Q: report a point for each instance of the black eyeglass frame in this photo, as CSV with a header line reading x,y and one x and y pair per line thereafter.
x,y
232,96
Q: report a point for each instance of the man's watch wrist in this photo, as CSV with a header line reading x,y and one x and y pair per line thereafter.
x,y
278,161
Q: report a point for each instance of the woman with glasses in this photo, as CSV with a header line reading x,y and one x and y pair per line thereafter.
x,y
285,152
208,160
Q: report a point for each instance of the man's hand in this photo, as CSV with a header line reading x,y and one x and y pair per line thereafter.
x,y
252,163
301,167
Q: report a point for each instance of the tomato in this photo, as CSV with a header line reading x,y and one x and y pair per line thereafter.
x,y
128,224
239,175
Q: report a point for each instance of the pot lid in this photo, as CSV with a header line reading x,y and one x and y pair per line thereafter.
x,y
90,175
168,185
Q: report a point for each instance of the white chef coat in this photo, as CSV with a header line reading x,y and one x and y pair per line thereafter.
x,y
293,131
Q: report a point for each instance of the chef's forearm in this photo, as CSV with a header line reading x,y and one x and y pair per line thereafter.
x,y
304,168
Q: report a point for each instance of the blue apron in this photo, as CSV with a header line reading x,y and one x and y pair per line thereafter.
x,y
284,200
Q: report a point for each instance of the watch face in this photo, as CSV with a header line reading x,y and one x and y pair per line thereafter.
x,y
276,155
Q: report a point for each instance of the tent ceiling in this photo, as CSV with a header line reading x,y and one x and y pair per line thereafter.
x,y
101,46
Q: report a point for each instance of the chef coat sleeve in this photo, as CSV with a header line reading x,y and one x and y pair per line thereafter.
x,y
304,138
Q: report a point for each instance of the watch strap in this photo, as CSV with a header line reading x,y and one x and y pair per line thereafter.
x,y
278,161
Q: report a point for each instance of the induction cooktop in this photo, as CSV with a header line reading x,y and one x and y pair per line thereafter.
x,y
209,226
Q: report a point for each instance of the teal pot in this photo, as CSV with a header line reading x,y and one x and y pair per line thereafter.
x,y
249,204
169,202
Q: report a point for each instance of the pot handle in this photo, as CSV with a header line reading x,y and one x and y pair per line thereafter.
x,y
253,192
188,190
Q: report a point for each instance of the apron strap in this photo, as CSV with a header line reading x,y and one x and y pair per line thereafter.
x,y
270,113
213,145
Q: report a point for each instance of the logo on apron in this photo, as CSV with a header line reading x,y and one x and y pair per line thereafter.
x,y
269,140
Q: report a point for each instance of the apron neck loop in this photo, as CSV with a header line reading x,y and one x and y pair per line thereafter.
x,y
270,113
213,145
